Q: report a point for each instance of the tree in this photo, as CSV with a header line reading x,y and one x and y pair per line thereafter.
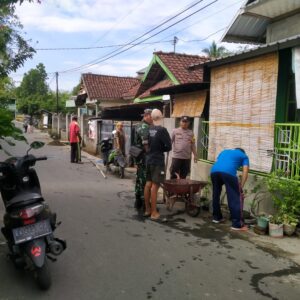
x,y
33,93
14,49
7,91
213,51
76,89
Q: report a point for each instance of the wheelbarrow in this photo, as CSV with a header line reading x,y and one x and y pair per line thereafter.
x,y
183,190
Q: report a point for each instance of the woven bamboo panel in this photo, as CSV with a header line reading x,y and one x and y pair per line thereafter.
x,y
242,109
189,104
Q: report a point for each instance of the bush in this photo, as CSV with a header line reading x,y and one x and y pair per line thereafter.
x,y
285,194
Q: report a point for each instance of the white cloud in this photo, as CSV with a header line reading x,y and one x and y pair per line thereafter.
x,y
79,23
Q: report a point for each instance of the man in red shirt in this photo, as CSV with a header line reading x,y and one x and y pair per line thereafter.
x,y
74,139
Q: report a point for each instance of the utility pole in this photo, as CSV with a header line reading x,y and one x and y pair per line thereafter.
x,y
175,41
56,74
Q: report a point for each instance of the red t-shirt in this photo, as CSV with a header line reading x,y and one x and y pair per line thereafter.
x,y
74,130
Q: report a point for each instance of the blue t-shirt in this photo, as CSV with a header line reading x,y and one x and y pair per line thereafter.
x,y
229,161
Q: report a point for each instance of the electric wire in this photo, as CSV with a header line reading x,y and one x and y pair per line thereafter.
x,y
100,60
136,39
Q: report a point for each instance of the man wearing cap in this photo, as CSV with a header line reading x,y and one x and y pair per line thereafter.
x,y
183,144
74,138
159,142
141,140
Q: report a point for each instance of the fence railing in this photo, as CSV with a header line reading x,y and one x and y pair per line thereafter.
x,y
287,149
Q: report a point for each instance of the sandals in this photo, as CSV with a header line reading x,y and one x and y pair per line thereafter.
x,y
146,215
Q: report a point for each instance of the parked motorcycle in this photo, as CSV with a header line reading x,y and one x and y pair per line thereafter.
x,y
28,221
112,156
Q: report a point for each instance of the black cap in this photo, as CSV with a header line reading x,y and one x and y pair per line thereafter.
x,y
147,111
185,118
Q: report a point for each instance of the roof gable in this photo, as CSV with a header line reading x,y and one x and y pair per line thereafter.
x,y
170,69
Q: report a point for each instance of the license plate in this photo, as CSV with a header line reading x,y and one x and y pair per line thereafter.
x,y
30,232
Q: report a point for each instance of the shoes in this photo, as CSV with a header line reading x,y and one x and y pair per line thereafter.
x,y
244,228
218,221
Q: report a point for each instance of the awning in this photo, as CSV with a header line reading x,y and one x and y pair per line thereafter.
x,y
129,112
189,104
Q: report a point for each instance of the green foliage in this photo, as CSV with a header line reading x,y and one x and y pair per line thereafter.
x,y
33,91
14,49
290,219
76,89
276,219
7,128
7,91
285,194
213,51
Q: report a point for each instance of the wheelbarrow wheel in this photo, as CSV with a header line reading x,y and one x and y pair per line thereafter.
x,y
191,209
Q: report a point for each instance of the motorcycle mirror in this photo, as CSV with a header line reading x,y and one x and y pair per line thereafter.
x,y
36,145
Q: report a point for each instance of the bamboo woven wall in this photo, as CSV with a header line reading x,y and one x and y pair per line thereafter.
x,y
242,109
189,104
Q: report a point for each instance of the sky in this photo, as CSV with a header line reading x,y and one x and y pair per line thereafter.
x,y
101,23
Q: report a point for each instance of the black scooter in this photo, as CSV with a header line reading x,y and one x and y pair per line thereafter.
x,y
112,156
28,222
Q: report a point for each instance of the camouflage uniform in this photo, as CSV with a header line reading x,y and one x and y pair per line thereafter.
x,y
140,140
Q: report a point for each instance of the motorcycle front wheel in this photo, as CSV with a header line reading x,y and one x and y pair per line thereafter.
x,y
43,276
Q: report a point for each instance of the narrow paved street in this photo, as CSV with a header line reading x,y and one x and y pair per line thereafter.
x,y
115,254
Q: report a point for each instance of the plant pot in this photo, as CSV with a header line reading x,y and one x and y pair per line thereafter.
x,y
276,230
289,229
262,222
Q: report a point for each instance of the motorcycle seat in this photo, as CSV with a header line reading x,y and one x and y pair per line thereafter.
x,y
24,199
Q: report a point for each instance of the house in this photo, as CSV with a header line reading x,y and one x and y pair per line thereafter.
x,y
254,95
170,84
98,92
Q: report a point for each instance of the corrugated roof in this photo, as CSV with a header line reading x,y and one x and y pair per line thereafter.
x,y
107,87
251,22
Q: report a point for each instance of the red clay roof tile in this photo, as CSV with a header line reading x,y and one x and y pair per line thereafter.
x,y
107,87
179,64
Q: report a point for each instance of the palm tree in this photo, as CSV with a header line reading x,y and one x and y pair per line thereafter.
x,y
213,51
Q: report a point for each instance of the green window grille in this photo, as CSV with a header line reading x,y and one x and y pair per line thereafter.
x,y
203,140
287,149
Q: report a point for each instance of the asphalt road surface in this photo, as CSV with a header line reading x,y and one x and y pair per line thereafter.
x,y
113,253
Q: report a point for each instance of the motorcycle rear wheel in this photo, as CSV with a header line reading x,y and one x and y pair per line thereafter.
x,y
43,276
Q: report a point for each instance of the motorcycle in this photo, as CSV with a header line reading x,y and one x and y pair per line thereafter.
x,y
28,221
112,156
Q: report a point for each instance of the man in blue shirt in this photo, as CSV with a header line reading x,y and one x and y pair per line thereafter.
x,y
224,172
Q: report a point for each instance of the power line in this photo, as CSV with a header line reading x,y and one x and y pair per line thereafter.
x,y
97,47
105,58
205,18
136,39
202,19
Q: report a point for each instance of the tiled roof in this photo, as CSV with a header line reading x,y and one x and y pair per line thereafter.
x,y
159,85
107,87
131,93
179,65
